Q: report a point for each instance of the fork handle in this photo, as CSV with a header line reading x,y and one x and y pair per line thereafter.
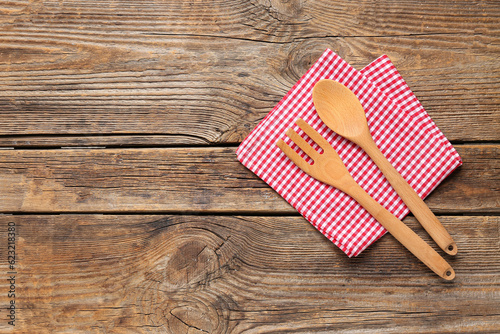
x,y
401,232
416,205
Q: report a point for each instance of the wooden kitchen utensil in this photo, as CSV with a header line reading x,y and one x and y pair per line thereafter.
x,y
339,108
327,167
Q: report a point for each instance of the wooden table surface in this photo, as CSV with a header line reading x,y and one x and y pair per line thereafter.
x,y
130,213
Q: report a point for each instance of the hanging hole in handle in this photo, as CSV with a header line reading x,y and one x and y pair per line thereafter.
x,y
448,273
450,248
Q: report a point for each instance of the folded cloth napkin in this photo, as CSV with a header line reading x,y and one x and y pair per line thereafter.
x,y
401,128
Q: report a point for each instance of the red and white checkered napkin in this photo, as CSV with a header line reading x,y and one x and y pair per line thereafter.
x,y
400,126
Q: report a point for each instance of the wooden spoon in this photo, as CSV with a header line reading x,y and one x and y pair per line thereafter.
x,y
342,112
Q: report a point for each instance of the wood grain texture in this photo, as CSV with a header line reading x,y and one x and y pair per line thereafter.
x,y
223,274
109,141
193,180
193,72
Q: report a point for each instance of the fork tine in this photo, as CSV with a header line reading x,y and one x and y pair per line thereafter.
x,y
313,134
304,146
294,156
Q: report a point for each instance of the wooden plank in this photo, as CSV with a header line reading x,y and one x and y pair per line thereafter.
x,y
192,180
207,72
125,140
231,18
223,274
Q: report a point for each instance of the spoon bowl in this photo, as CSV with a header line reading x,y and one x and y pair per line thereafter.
x,y
340,109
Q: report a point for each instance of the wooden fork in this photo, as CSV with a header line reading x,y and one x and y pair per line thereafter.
x,y
329,168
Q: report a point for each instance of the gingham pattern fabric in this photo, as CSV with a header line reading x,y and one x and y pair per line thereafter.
x,y
400,127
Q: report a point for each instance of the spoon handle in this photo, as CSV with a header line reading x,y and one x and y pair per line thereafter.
x,y
416,205
401,232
